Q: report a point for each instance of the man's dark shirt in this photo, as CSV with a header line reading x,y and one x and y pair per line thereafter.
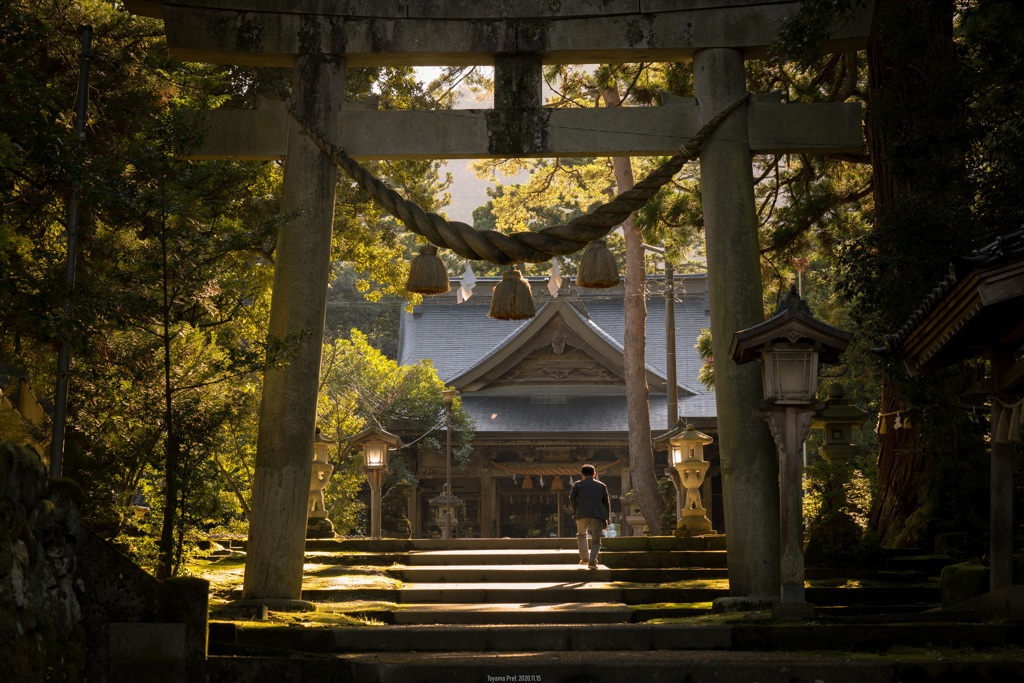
x,y
589,498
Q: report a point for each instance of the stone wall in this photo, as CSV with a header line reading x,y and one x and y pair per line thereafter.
x,y
40,603
72,607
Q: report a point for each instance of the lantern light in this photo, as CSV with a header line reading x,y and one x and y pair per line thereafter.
x,y
375,443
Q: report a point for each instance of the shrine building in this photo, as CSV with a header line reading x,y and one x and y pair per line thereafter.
x,y
547,395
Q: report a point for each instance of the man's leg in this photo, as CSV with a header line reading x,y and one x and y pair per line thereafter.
x,y
596,528
581,538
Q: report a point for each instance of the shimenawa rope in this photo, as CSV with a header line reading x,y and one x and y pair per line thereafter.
x,y
530,247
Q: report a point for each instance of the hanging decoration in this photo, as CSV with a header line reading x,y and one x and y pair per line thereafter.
x,y
527,483
427,273
1007,421
512,299
598,269
542,481
899,421
555,281
465,290
557,485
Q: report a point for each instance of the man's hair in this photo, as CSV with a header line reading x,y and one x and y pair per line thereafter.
x,y
588,470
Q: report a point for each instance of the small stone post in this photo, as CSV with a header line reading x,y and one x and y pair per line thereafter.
x,y
317,524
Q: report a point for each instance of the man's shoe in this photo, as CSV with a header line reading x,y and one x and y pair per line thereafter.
x,y
591,566
583,561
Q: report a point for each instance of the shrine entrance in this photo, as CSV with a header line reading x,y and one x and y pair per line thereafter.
x,y
318,41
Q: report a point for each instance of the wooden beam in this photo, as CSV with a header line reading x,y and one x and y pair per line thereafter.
x,y
274,33
475,134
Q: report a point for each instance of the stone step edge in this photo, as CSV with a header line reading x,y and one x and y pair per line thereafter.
x,y
644,636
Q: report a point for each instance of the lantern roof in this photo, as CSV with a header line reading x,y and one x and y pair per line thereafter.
x,y
838,409
791,323
683,432
375,432
320,438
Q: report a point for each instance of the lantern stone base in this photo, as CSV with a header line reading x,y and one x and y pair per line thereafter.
x,y
693,525
319,527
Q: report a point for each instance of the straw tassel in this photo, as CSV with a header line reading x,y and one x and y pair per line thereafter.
x,y
512,299
427,273
598,269
1013,433
997,421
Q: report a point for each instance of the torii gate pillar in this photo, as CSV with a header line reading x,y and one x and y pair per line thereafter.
x,y
277,528
735,297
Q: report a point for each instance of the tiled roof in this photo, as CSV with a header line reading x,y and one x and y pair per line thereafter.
x,y
573,413
455,337
1006,247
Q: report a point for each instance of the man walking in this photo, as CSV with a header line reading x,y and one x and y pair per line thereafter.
x,y
591,510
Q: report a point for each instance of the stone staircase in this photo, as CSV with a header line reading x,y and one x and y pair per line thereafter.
x,y
520,581
540,581
525,610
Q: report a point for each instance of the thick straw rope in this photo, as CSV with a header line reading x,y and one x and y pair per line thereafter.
x,y
529,247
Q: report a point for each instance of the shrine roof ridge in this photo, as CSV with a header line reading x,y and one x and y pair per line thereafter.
x,y
1004,247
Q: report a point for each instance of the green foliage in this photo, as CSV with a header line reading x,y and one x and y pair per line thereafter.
x,y
362,387
168,328
706,374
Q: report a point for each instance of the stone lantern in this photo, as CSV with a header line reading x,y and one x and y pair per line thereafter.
x,y
444,513
375,443
632,515
837,421
686,455
789,346
317,523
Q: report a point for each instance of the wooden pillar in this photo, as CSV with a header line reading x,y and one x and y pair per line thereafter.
x,y
1001,486
748,461
495,507
412,505
273,568
790,427
486,494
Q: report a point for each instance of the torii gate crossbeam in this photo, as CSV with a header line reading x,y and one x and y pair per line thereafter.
x,y
320,38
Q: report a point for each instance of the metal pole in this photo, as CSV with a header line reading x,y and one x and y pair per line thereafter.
x,y
64,355
448,475
670,344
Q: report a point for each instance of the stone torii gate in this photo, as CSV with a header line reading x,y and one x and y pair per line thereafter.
x,y
319,39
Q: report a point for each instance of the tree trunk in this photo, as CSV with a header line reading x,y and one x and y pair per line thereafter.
x,y
638,413
901,492
172,447
914,123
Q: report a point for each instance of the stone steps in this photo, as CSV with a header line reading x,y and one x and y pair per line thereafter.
x,y
662,666
540,581
545,572
517,612
754,637
513,613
